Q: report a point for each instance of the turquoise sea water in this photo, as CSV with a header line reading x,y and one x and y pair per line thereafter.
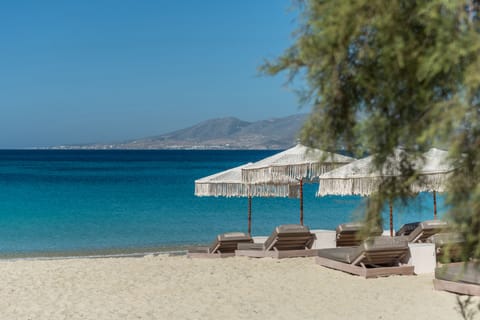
x,y
106,201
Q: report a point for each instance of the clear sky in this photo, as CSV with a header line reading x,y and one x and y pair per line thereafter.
x,y
108,70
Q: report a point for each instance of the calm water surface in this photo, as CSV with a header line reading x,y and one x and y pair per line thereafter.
x,y
107,201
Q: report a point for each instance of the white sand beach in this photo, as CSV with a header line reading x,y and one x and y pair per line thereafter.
x,y
163,287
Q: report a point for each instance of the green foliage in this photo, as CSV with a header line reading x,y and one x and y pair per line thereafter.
x,y
382,74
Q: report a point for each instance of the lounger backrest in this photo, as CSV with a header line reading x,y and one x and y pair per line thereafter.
x,y
290,237
348,234
448,245
381,251
426,229
407,228
446,238
227,242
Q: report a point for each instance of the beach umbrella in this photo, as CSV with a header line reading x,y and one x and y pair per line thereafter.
x,y
229,183
299,164
434,171
361,178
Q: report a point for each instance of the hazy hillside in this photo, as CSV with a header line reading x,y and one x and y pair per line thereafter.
x,y
207,130
223,133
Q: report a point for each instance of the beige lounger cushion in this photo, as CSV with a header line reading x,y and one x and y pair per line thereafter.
x,y
290,237
286,241
228,242
375,257
342,254
348,234
373,251
224,243
284,237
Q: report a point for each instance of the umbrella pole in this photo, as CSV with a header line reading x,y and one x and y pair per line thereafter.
x,y
250,215
301,202
391,218
435,205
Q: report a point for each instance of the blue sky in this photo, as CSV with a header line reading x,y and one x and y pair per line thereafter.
x,y
103,71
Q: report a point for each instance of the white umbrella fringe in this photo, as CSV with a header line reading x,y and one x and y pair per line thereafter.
x,y
242,190
220,190
432,182
367,185
359,178
287,173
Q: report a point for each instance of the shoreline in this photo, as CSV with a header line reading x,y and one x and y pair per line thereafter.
x,y
98,253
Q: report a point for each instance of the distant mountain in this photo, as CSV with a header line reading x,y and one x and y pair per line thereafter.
x,y
223,133
208,130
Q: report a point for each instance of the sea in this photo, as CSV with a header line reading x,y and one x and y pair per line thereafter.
x,y
102,202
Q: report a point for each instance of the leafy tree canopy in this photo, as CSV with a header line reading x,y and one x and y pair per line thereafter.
x,y
382,74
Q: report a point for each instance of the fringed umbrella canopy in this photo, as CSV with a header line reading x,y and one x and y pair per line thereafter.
x,y
361,178
299,162
229,183
434,171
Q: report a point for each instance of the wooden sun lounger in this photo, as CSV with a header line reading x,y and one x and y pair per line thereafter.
x,y
377,256
224,246
286,241
447,245
348,234
460,278
426,229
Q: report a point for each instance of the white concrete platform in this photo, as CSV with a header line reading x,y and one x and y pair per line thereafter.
x,y
422,257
